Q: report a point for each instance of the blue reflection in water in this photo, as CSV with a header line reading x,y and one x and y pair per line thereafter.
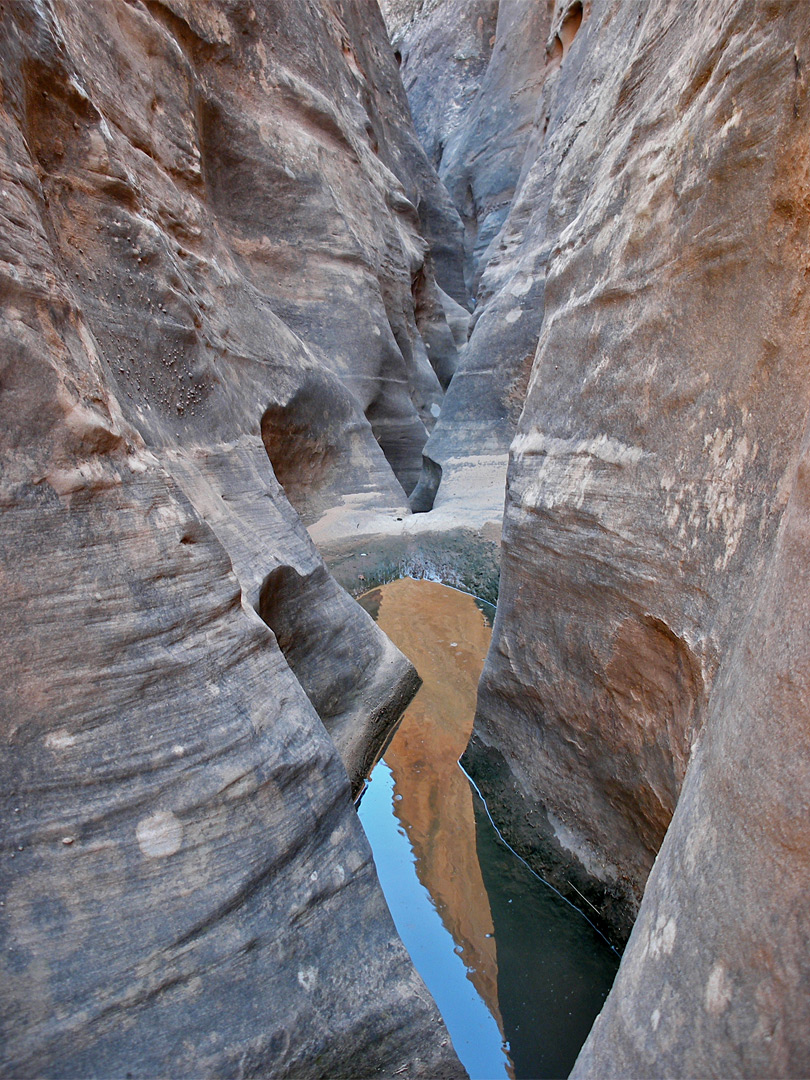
x,y
487,923
554,967
474,1032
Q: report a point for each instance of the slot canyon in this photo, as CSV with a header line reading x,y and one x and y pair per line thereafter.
x,y
301,297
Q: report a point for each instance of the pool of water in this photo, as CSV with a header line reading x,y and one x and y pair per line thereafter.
x,y
518,973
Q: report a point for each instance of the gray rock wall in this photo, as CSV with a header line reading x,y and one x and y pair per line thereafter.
x,y
649,472
713,979
496,115
235,293
648,287
208,244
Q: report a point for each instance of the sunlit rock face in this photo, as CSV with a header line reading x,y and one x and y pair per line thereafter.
x,y
210,260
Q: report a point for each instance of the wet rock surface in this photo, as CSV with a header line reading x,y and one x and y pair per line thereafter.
x,y
208,247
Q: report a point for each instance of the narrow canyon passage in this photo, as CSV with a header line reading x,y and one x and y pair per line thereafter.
x,y
301,297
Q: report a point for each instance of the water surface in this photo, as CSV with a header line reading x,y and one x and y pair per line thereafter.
x,y
517,972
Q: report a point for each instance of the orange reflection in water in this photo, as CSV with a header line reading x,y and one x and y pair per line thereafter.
x,y
446,637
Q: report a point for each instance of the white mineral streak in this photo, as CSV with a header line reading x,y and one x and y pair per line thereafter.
x,y
566,468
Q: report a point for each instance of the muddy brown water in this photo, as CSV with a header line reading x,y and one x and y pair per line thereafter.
x,y
518,973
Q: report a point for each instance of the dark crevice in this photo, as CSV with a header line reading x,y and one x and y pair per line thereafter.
x,y
570,26
424,494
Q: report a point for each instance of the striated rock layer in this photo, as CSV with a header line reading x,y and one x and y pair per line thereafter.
x,y
483,120
713,981
210,260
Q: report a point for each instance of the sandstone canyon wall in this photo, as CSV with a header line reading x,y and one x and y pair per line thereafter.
x,y
236,298
666,404
651,638
211,261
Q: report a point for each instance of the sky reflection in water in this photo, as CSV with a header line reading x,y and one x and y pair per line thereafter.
x,y
509,963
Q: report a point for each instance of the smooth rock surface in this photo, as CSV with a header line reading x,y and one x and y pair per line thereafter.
x,y
713,981
649,473
492,110
208,240
477,77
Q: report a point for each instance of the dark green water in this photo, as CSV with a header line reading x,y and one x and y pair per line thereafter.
x,y
554,968
518,973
